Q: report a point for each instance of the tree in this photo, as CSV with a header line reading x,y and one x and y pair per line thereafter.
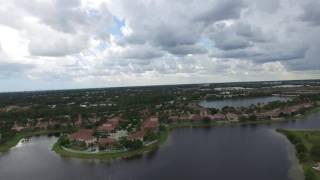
x,y
315,152
151,136
301,151
214,110
252,117
135,144
309,174
64,141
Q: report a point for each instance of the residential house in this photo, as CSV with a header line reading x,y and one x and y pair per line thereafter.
x,y
83,135
107,142
119,134
173,118
217,117
136,136
17,127
151,124
269,114
42,124
232,117
184,117
195,117
204,112
109,126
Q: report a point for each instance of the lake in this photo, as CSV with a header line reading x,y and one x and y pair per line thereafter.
x,y
227,153
241,102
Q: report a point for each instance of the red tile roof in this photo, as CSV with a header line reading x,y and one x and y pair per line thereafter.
x,y
106,127
136,135
82,135
151,123
114,121
110,125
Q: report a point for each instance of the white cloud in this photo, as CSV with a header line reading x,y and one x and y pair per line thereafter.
x,y
124,42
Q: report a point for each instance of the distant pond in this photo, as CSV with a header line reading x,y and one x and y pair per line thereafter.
x,y
241,102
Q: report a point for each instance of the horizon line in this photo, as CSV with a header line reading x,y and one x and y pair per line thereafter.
x,y
152,85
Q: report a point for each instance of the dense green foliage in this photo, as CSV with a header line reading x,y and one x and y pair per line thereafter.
x,y
136,144
307,145
301,149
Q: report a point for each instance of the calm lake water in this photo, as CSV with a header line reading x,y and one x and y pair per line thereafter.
x,y
223,153
241,102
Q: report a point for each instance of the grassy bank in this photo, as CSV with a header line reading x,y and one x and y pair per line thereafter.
x,y
13,141
107,155
307,145
7,145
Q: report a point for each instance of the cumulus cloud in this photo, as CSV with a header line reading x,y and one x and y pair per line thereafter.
x,y
147,41
175,26
57,28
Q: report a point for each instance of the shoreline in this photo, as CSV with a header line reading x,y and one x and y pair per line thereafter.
x,y
163,137
302,137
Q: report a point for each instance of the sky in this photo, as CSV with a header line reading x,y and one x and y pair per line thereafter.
x,y
67,44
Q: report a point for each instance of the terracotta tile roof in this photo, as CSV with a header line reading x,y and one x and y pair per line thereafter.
x,y
82,135
136,135
106,127
110,125
114,121
151,123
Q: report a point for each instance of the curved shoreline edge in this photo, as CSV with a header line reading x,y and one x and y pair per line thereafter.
x,y
163,137
298,138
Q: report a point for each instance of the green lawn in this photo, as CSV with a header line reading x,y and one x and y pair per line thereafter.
x,y
304,141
